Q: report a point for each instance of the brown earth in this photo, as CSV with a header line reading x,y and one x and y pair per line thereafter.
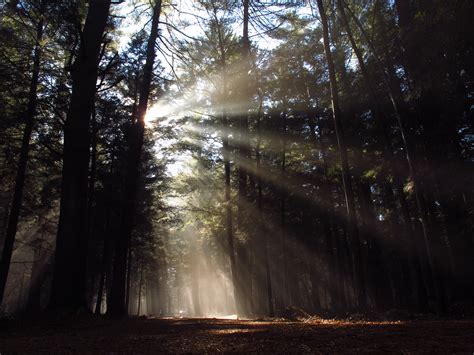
x,y
149,335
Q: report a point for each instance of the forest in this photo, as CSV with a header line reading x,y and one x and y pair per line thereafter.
x,y
237,175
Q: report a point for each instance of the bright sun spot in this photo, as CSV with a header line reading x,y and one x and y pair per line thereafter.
x,y
158,110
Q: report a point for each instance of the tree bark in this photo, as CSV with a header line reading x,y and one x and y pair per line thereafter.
x,y
268,277
100,293
69,278
118,290
243,134
139,292
129,276
243,162
106,262
286,297
326,214
227,169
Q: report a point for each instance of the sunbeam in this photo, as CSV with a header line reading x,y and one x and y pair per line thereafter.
x,y
202,176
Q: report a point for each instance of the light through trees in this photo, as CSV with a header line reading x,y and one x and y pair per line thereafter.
x,y
230,159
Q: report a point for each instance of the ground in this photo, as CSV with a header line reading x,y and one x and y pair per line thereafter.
x,y
149,335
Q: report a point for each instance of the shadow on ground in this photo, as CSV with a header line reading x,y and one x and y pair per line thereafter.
x,y
90,334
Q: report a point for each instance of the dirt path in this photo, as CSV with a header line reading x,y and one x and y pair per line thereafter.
x,y
142,335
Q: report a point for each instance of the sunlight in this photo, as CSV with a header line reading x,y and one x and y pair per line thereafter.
x,y
234,331
156,111
174,105
229,316
266,176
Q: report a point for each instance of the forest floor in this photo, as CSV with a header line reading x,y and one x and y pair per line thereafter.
x,y
86,334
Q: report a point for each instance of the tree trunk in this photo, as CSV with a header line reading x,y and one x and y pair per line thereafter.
x,y
92,173
106,261
419,198
229,227
382,122
129,276
22,163
227,200
243,162
69,279
286,298
195,291
326,214
268,277
133,172
100,293
243,134
346,176
139,294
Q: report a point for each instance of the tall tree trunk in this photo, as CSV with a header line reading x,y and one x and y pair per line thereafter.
x,y
106,263
22,162
129,276
243,134
139,292
244,252
268,277
195,290
133,172
69,279
229,226
346,176
327,213
227,198
100,293
92,173
286,298
426,192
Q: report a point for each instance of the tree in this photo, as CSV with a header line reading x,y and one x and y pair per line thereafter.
x,y
346,176
68,289
136,143
23,159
